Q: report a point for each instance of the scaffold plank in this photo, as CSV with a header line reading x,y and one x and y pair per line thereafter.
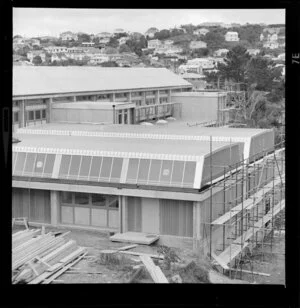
x,y
247,204
238,245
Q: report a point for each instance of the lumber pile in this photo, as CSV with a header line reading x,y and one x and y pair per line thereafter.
x,y
40,258
155,272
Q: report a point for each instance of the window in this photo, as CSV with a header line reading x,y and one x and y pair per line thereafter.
x,y
120,117
105,169
44,114
189,174
98,200
20,163
30,115
116,169
85,167
154,171
113,202
39,164
74,166
38,114
66,197
143,170
29,164
125,116
177,174
132,170
166,171
16,117
64,166
49,165
81,198
95,168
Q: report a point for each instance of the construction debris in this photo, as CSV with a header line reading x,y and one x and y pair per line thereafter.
x,y
39,257
155,272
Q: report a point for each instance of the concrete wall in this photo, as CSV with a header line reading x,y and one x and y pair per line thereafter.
x,y
81,115
196,108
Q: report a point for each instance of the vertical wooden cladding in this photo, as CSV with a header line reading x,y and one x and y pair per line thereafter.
x,y
176,217
134,214
34,204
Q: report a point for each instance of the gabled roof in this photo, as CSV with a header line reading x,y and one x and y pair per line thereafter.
x,y
41,80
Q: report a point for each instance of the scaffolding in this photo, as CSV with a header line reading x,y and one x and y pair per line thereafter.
x,y
250,211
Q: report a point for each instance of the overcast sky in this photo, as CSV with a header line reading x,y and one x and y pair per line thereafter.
x,y
37,21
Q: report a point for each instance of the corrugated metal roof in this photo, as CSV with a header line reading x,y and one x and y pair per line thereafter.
x,y
113,144
40,80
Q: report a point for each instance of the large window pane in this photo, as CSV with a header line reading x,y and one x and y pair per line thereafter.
x,y
74,166
29,164
177,173
113,202
116,169
95,168
154,171
85,167
105,169
66,197
189,174
132,170
64,166
98,200
143,170
39,164
166,170
14,158
81,198
20,163
49,164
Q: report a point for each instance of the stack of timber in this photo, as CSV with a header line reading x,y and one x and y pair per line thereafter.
x,y
40,258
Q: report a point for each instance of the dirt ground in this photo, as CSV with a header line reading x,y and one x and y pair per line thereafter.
x,y
93,272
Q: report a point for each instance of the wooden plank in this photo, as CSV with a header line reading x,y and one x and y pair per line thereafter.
x,y
219,261
155,272
135,237
127,247
135,253
249,272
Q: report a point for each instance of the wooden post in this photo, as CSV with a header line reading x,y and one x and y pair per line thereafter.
x,y
124,214
54,202
196,224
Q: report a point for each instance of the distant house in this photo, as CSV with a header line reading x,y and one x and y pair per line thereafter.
x,y
119,30
56,49
231,36
221,52
261,37
98,58
77,56
205,63
88,44
68,36
190,68
135,35
272,30
271,45
59,57
197,80
197,44
33,53
104,35
226,26
168,42
151,32
201,31
123,40
253,52
272,37
152,44
168,50
104,40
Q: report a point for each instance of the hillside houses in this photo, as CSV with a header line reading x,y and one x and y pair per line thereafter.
x,y
197,45
253,52
34,53
152,44
231,36
68,36
221,52
151,32
201,31
103,35
271,45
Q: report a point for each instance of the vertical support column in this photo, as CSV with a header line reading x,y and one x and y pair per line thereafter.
x,y
120,214
129,96
144,98
196,224
54,202
129,116
49,109
124,214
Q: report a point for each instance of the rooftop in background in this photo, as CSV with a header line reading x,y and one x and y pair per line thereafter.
x,y
93,105
73,79
172,128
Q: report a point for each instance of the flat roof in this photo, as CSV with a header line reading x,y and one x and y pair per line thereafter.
x,y
41,80
172,128
200,94
115,144
92,105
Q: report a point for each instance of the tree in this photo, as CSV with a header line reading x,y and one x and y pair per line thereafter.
x,y
124,48
37,60
162,35
109,64
23,51
83,37
236,62
260,74
214,39
113,42
198,53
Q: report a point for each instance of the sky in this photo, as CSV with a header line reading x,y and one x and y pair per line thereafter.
x,y
47,21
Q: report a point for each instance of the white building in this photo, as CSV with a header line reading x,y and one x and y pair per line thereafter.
x,y
201,31
271,45
152,44
261,37
88,44
197,44
232,36
190,68
221,52
68,36
205,63
123,40
34,53
103,35
98,58
272,37
56,49
253,52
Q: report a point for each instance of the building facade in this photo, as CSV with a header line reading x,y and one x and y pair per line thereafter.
x,y
231,36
